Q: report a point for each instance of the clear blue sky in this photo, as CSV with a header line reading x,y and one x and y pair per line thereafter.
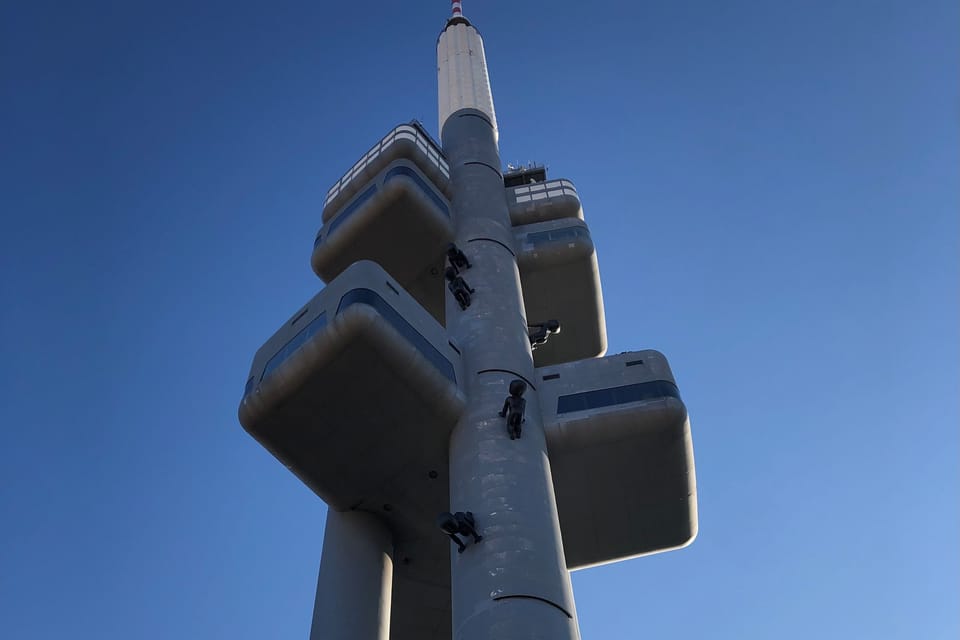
x,y
773,191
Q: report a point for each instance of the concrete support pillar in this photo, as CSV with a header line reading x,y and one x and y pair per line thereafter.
x,y
354,588
514,583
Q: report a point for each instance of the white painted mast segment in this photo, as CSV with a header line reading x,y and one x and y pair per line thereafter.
x,y
464,82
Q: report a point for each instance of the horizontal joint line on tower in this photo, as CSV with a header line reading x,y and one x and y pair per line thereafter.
x,y
481,115
494,241
550,602
488,166
513,373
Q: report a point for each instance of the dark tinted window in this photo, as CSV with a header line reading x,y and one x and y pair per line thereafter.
x,y
565,233
295,343
410,173
370,298
617,395
350,208
601,398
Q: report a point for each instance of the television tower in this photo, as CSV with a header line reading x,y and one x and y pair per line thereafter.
x,y
446,393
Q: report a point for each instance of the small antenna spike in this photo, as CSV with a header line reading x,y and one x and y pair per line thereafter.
x,y
456,11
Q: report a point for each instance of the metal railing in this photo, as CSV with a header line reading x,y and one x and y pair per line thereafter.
x,y
403,132
544,190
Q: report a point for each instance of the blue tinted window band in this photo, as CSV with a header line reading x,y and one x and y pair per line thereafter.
x,y
295,343
617,395
372,299
410,173
350,208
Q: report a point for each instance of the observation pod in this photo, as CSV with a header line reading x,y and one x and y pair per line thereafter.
x,y
361,373
622,457
561,281
392,207
541,201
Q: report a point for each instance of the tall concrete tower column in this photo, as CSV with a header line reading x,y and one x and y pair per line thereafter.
x,y
354,587
384,378
514,584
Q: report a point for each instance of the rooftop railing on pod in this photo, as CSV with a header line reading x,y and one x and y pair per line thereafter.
x,y
403,141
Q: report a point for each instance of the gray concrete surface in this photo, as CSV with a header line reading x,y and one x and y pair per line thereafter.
x,y
514,584
354,585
